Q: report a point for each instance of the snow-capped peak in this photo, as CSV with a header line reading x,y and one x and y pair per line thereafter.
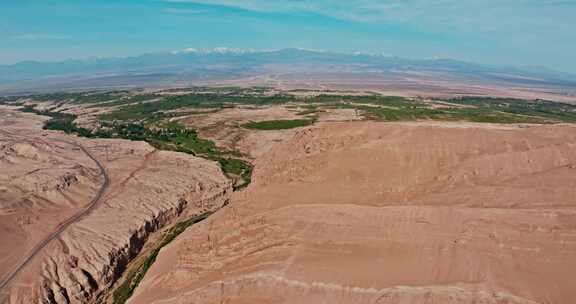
x,y
218,50
227,50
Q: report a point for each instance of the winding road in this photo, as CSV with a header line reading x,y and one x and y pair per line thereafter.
x,y
62,226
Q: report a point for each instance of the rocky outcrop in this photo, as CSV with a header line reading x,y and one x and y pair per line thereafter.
x,y
47,180
72,278
43,181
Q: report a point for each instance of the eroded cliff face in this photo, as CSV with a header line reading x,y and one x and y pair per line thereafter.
x,y
389,213
93,253
148,190
43,181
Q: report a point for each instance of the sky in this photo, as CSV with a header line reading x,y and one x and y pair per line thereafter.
x,y
511,32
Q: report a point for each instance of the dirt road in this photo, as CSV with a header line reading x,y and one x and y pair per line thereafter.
x,y
38,248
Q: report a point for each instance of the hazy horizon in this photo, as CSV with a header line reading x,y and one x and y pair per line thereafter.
x,y
224,49
517,33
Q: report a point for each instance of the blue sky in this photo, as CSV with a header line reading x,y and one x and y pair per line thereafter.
x,y
516,32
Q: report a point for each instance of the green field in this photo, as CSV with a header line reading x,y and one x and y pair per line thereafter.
x,y
143,111
539,110
478,109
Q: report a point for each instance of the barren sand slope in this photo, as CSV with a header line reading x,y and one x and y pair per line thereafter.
x,y
223,127
48,181
43,182
389,213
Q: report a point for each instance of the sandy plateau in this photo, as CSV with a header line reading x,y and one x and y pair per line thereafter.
x,y
47,180
403,213
224,126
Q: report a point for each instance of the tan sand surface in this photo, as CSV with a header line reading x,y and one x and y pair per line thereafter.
x,y
45,180
403,213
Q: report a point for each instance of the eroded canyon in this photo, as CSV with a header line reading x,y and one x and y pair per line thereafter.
x,y
48,180
259,195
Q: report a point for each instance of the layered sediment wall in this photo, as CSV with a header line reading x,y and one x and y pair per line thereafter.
x,y
71,276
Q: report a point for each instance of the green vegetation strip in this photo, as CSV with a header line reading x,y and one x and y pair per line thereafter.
x,y
62,121
477,109
135,276
144,111
169,136
375,107
539,110
278,124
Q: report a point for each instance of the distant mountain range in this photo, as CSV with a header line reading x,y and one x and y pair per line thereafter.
x,y
222,63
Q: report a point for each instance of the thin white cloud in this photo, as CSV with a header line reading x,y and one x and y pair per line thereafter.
x,y
426,12
184,11
357,10
40,36
510,24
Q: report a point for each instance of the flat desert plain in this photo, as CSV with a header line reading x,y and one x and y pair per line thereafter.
x,y
369,212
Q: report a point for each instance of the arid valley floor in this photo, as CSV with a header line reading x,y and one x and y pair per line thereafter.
x,y
283,195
